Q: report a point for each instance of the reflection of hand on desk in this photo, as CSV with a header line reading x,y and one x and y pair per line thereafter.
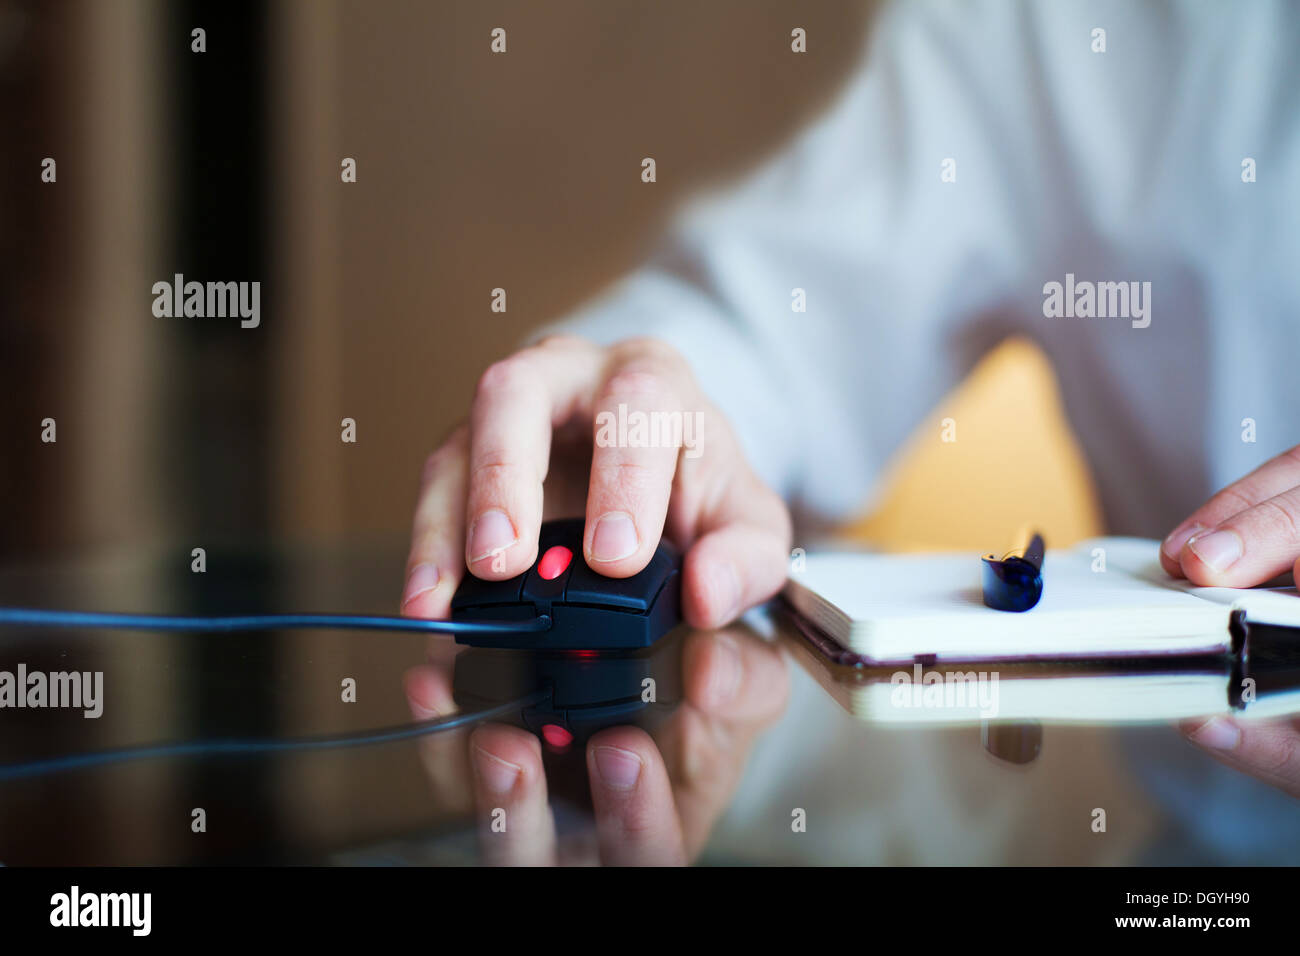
x,y
1242,537
1269,749
654,795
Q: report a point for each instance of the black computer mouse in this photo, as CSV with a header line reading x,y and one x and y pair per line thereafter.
x,y
587,610
586,692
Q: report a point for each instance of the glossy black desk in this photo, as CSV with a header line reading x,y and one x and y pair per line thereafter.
x,y
874,786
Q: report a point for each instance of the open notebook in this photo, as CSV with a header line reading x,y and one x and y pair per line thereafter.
x,y
899,608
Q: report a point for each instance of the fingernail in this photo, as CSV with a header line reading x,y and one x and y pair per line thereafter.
x,y
497,775
491,534
614,537
1173,545
618,768
725,680
1218,549
1217,733
423,577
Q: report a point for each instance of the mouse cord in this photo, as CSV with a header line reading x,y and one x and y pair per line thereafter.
x,y
261,745
40,617
35,617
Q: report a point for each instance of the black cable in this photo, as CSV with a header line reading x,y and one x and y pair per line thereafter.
x,y
238,747
40,617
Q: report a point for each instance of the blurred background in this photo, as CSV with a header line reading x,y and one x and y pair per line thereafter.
x,y
472,174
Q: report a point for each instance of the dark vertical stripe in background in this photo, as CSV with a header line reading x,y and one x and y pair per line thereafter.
x,y
218,102
219,388
36,243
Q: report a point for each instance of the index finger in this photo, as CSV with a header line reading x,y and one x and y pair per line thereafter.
x,y
1267,481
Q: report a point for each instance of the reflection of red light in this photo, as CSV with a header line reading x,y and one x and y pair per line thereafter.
x,y
556,736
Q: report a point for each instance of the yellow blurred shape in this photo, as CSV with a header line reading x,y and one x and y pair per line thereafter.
x,y
1011,462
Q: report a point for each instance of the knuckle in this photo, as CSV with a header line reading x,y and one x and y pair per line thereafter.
x,y
643,384
640,822
506,375
1232,500
1280,519
493,473
1282,756
559,342
426,541
627,479
656,350
651,353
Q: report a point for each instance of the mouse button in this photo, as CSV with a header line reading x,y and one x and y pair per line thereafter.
x,y
631,594
475,592
585,721
607,709
588,587
541,591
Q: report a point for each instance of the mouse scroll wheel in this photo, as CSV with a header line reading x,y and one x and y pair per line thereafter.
x,y
554,562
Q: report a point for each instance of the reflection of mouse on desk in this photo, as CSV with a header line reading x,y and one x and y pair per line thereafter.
x,y
588,692
588,611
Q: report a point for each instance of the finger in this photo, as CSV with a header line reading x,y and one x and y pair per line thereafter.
x,y
435,564
1251,547
428,692
1269,750
642,411
740,560
706,758
516,827
636,818
735,684
518,401
446,765
733,676
1268,480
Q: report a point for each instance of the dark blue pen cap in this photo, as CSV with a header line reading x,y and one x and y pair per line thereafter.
x,y
1015,582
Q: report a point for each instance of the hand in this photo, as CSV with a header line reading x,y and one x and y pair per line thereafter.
x,y
1245,535
654,800
1269,750
534,421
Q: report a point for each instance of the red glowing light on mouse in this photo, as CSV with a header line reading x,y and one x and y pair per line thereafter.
x,y
556,736
554,561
